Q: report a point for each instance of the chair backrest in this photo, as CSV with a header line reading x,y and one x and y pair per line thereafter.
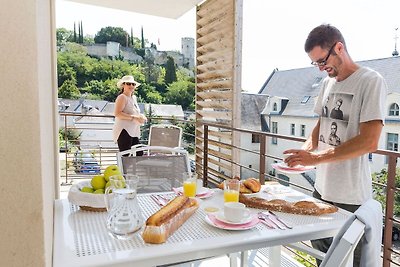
x,y
340,254
157,172
165,135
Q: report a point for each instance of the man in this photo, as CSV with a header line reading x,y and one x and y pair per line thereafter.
x,y
343,177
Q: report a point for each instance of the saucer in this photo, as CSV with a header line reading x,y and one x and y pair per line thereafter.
x,y
220,217
213,221
281,166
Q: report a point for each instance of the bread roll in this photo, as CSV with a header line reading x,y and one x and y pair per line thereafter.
x,y
253,184
168,219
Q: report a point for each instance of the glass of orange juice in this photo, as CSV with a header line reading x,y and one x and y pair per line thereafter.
x,y
231,190
189,185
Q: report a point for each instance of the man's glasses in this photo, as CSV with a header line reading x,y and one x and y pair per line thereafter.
x,y
129,84
322,63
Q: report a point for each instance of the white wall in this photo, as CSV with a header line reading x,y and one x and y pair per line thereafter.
x,y
28,140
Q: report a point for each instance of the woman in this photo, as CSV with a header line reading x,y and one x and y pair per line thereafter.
x,y
127,115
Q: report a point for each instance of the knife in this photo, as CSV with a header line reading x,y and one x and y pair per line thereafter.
x,y
280,220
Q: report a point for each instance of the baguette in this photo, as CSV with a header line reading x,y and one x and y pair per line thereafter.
x,y
168,219
301,207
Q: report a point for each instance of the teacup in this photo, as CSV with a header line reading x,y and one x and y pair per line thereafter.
x,y
235,211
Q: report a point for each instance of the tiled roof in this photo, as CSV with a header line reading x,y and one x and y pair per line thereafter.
x,y
252,106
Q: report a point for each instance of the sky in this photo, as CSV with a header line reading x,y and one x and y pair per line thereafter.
x,y
274,32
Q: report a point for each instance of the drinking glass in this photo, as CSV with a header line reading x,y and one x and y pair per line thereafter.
x,y
231,190
189,184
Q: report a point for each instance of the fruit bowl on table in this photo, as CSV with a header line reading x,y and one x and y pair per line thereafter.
x,y
86,201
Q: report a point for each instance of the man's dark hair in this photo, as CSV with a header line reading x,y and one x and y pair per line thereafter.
x,y
325,36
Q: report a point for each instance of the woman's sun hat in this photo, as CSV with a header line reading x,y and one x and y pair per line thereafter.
x,y
126,79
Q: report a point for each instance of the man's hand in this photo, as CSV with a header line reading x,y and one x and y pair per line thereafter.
x,y
300,157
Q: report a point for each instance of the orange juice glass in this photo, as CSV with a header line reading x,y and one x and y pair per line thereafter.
x,y
231,196
231,190
189,188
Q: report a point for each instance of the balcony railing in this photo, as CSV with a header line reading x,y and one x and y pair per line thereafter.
x,y
95,138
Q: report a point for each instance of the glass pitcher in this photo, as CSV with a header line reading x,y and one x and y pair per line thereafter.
x,y
124,214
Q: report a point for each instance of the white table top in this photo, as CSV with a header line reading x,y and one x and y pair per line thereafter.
x,y
81,238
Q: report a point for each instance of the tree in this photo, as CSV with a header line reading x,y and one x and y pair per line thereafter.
x,y
75,39
380,191
148,94
114,34
69,90
181,93
170,71
62,36
142,39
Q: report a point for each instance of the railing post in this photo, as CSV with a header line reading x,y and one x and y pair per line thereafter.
x,y
390,190
66,149
262,158
205,156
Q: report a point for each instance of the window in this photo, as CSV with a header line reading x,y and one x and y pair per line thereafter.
x,y
392,143
303,130
305,99
292,128
275,107
274,130
255,138
394,110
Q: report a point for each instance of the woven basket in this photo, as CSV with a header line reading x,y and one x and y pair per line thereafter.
x,y
86,201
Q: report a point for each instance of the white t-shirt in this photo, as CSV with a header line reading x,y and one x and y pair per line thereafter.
x,y
132,127
359,98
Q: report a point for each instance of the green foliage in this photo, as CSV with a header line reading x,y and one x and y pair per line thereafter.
x,y
181,92
62,36
69,137
306,259
148,94
69,90
114,34
380,191
170,71
80,74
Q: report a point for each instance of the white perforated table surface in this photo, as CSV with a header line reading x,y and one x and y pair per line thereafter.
x,y
81,238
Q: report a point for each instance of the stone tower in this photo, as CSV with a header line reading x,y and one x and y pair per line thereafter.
x,y
187,50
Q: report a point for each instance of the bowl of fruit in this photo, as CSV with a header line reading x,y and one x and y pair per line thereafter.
x,y
89,195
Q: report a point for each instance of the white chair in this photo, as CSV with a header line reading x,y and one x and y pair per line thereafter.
x,y
340,253
365,225
165,135
159,169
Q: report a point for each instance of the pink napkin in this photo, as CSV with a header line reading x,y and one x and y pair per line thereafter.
x,y
224,225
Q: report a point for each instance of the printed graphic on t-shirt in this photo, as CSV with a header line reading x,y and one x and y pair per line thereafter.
x,y
335,118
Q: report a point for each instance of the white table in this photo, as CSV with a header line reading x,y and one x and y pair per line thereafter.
x,y
81,239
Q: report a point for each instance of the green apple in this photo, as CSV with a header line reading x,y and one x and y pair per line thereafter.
x,y
87,189
99,191
110,171
98,182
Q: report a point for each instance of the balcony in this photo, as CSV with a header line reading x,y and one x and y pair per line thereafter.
x,y
214,166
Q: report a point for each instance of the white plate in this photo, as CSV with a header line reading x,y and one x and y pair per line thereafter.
x,y
220,216
282,167
211,220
